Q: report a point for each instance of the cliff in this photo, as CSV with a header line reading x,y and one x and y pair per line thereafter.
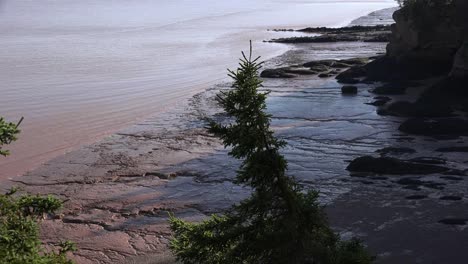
x,y
429,38
431,33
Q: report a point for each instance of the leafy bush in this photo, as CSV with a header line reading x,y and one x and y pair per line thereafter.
x,y
280,222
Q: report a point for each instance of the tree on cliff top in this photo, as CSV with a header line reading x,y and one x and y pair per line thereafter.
x,y
280,222
19,232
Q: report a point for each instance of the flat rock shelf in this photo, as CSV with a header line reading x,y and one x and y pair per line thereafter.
x,y
119,191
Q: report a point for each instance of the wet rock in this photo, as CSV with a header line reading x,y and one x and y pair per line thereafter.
x,y
300,71
325,63
338,37
349,29
324,75
451,198
351,74
453,149
163,176
386,165
390,69
416,197
349,81
460,64
384,98
395,151
412,187
341,65
454,221
378,103
410,182
389,89
349,89
456,172
276,73
356,61
435,126
379,178
320,68
415,184
429,160
452,178
367,182
419,109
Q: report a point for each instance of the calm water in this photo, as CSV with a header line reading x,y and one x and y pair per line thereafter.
x,y
79,70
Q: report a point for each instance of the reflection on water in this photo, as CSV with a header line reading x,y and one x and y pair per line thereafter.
x,y
79,70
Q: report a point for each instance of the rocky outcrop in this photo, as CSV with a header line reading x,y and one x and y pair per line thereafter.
x,y
460,64
393,166
377,33
425,34
429,39
322,68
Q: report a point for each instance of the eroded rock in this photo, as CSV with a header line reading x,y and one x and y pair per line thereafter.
x,y
387,165
435,126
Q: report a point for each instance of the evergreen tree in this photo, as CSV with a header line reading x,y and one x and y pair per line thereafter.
x,y
280,222
19,215
8,133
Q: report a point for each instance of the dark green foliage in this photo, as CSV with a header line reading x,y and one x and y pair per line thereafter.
x,y
19,233
8,132
280,222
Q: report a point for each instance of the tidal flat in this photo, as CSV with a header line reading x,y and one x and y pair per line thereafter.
x,y
119,191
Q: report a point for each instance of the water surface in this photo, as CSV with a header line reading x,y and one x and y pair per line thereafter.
x,y
80,70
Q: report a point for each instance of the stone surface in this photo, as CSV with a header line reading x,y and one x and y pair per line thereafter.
x,y
435,126
349,89
387,165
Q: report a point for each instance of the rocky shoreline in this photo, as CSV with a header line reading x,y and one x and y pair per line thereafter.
x,y
118,191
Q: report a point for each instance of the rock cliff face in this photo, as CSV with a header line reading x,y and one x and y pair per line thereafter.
x,y
460,64
432,34
427,40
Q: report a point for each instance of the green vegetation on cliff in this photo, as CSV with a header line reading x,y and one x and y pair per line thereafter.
x,y
280,222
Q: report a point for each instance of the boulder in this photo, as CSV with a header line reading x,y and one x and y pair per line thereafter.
x,y
435,126
419,109
352,74
378,103
349,89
